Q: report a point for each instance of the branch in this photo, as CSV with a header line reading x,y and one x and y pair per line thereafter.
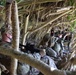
x,y
64,9
48,23
44,68
26,59
58,11
31,2
15,36
26,21
15,26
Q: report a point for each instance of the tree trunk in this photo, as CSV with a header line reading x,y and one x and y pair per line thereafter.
x,y
15,36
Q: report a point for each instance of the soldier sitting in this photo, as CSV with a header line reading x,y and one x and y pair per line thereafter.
x,y
6,36
46,59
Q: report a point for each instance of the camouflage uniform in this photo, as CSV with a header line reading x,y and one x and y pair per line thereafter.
x,y
34,71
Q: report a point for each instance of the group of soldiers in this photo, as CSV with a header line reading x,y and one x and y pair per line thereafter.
x,y
52,50
37,53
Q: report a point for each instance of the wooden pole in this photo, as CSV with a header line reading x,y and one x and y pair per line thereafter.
x,y
25,29
15,36
8,14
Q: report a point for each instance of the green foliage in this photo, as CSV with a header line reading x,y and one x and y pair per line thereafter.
x,y
69,17
2,2
71,2
18,0
73,25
